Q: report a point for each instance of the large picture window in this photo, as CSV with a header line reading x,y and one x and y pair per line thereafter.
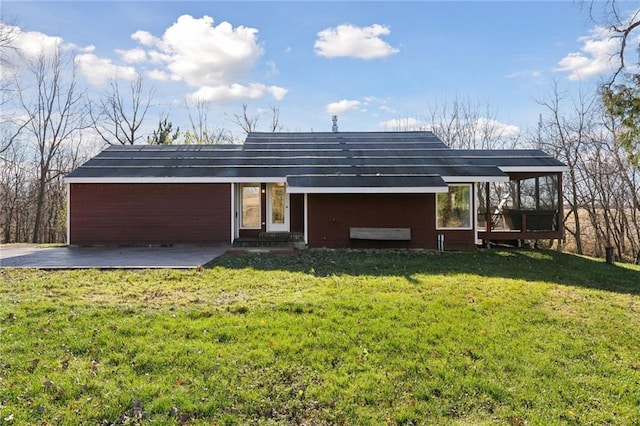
x,y
454,208
250,205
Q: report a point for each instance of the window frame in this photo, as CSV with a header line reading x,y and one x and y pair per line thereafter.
x,y
241,188
469,186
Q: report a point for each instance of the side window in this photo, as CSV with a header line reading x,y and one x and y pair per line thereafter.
x,y
454,208
250,205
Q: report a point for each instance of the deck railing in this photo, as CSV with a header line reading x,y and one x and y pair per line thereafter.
x,y
511,224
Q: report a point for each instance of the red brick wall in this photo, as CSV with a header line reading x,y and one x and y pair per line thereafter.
x,y
134,214
331,216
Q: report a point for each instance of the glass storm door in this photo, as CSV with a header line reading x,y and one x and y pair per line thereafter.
x,y
277,208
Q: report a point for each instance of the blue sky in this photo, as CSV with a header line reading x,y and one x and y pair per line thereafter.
x,y
368,62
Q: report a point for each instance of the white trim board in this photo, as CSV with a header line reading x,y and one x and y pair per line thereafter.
x,y
367,190
534,169
470,179
176,180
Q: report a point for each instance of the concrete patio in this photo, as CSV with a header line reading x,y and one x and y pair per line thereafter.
x,y
35,256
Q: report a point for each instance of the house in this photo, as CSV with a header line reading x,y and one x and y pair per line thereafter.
x,y
328,189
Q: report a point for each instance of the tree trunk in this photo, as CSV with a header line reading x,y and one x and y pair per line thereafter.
x,y
39,208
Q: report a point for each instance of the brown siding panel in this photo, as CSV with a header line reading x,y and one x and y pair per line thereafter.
x,y
150,214
331,215
458,239
296,212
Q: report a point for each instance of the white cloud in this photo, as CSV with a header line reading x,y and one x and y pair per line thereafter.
x,y
97,70
277,92
597,55
351,41
100,70
215,60
132,56
483,125
342,106
32,44
203,54
159,58
272,69
87,49
533,75
403,124
380,103
157,74
497,128
237,91
144,37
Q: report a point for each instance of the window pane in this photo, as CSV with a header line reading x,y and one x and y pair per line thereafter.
x,y
482,205
549,192
454,207
278,195
250,199
528,194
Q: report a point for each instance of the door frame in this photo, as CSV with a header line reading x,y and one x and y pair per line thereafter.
x,y
286,226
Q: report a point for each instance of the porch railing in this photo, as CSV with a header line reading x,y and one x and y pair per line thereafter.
x,y
510,220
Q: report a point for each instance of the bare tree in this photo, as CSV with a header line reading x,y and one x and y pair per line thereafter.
x,y
246,122
463,124
9,135
602,187
14,178
56,114
117,118
249,123
621,24
275,118
201,132
8,33
564,135
8,53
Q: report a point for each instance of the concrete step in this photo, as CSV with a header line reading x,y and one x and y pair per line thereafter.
x,y
273,239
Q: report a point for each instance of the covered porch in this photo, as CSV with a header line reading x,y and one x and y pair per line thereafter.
x,y
266,215
527,207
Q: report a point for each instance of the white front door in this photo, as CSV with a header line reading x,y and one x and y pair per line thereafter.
x,y
277,208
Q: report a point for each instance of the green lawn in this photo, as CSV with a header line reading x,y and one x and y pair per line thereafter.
x,y
326,337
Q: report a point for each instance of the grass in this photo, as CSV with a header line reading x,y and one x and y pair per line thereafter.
x,y
326,337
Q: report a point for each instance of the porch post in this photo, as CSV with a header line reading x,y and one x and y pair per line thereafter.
x,y
560,212
306,220
487,212
474,214
68,213
233,212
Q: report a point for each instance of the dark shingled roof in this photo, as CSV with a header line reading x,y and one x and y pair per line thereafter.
x,y
315,160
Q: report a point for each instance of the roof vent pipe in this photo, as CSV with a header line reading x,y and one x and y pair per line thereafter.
x,y
335,123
